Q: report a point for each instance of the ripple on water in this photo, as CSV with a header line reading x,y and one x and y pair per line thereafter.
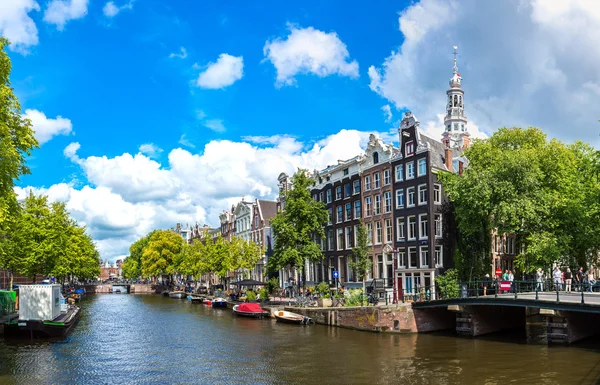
x,y
129,339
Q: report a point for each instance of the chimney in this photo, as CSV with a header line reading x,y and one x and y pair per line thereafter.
x,y
448,158
460,167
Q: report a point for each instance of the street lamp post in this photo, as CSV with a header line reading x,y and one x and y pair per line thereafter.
x,y
395,252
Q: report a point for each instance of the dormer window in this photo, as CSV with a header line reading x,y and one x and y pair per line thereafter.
x,y
346,172
409,148
375,157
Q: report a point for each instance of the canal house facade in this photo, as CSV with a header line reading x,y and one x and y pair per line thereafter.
x,y
339,188
419,196
377,199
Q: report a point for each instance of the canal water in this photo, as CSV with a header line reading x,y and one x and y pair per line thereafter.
x,y
150,339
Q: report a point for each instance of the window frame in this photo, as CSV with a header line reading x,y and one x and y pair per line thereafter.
x,y
426,228
387,198
387,178
424,250
422,188
410,191
399,173
410,170
439,261
376,181
419,173
377,206
411,230
400,192
378,233
338,193
389,230
400,229
367,182
437,193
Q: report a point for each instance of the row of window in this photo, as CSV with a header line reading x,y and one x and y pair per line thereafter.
x,y
406,227
353,189
407,258
351,211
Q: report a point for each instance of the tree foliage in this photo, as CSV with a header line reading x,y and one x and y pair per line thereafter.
x,y
16,137
159,255
297,226
45,240
362,261
543,191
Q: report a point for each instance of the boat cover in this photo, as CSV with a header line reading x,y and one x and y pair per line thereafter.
x,y
250,308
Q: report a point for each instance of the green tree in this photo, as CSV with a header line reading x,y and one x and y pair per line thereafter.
x,y
130,268
362,261
243,255
159,255
16,137
519,182
297,226
136,251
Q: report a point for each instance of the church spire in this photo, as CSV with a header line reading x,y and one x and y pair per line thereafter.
x,y
455,122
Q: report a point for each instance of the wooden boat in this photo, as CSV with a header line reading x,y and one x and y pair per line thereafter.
x,y
219,303
177,294
292,318
195,299
249,310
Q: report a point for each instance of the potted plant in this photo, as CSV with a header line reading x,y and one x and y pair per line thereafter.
x,y
250,296
324,295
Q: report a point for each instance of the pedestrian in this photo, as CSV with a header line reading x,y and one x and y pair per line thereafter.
x,y
568,278
486,282
539,278
590,279
580,278
511,279
557,275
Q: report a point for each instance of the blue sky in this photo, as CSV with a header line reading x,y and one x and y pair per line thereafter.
x,y
113,78
151,113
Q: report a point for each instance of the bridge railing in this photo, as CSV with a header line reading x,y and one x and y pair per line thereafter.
x,y
525,289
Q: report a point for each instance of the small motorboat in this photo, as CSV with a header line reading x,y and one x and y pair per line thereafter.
x,y
250,310
292,318
219,303
177,294
165,293
207,301
195,298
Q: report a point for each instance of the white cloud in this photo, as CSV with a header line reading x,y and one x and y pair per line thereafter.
x,y
185,142
543,71
59,12
223,73
215,124
110,9
45,128
129,195
17,26
181,55
308,50
387,112
150,149
71,151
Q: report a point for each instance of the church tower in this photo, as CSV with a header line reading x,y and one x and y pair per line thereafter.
x,y
455,132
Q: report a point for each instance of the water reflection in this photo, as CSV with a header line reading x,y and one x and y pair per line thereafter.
x,y
128,339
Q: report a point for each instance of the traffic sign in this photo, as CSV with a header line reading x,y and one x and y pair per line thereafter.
x,y
336,274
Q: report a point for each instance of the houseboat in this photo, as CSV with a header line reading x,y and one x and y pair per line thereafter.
x,y
43,312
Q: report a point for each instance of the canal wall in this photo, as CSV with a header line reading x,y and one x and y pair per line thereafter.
x,y
396,319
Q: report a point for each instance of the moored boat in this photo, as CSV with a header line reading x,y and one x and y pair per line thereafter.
x,y
249,310
219,303
207,301
292,318
177,294
195,298
42,313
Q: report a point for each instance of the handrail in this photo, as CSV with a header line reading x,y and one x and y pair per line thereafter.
x,y
502,289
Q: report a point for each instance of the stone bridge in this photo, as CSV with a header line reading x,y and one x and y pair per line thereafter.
x,y
546,317
136,288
